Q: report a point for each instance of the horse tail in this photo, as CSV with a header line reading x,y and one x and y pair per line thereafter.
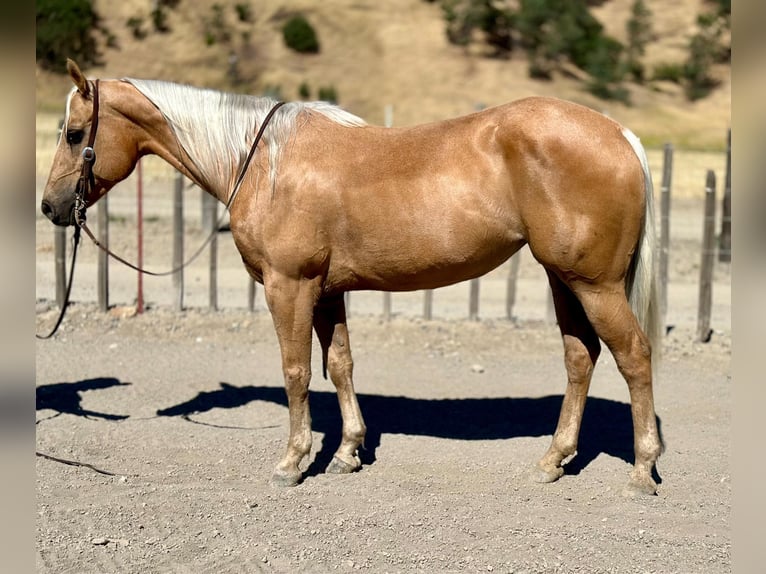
x,y
641,285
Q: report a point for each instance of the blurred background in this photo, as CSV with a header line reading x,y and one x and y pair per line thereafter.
x,y
661,68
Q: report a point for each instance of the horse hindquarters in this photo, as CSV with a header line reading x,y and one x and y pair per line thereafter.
x,y
599,237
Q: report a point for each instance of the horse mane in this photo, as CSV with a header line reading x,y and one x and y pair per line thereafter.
x,y
213,126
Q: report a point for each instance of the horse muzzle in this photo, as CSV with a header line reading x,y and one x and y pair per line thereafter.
x,y
62,214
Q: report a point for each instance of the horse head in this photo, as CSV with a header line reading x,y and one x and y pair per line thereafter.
x,y
83,162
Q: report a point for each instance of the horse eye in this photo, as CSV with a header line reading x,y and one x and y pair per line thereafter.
x,y
73,137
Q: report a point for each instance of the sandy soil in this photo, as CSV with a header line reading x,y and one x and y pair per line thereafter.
x,y
186,413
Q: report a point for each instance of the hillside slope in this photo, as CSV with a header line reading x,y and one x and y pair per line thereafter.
x,y
393,53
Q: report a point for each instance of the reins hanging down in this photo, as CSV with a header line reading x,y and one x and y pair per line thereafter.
x,y
76,242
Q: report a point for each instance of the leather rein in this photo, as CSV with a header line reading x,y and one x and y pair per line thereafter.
x,y
87,183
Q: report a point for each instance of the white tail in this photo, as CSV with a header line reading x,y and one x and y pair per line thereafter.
x,y
642,285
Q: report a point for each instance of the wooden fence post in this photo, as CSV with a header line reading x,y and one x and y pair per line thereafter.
x,y
708,257
510,292
473,300
347,302
550,308
667,177
428,304
140,226
178,240
386,305
59,247
724,246
102,263
210,219
251,295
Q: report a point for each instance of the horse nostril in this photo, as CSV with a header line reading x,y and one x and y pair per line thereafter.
x,y
47,209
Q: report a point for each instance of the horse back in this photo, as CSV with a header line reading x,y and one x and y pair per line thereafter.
x,y
428,205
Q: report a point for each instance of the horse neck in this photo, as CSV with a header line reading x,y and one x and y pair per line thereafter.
x,y
160,140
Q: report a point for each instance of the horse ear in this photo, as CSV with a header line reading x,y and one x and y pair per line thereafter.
x,y
78,77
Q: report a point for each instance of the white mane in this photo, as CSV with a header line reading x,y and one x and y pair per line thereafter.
x,y
216,129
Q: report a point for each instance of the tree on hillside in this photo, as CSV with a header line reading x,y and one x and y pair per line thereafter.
x,y
706,48
639,28
491,18
65,29
552,32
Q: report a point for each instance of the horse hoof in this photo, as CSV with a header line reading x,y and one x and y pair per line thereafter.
x,y
338,466
640,488
544,476
282,478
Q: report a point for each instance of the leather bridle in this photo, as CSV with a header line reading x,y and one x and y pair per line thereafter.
x,y
87,179
84,182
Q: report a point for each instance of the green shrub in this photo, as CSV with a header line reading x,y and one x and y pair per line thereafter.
x,y
160,20
463,16
65,29
136,25
244,12
705,49
328,94
300,36
668,72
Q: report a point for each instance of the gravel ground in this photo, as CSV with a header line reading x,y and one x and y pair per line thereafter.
x,y
182,416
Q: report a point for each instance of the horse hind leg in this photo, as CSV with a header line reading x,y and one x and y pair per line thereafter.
x,y
581,350
332,332
610,314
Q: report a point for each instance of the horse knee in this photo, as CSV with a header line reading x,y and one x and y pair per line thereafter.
x,y
297,379
636,364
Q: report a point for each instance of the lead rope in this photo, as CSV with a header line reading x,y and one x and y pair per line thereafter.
x,y
76,242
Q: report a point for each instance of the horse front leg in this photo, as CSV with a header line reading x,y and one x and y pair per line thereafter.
x,y
332,331
291,302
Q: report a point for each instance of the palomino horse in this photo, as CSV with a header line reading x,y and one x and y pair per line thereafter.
x,y
330,204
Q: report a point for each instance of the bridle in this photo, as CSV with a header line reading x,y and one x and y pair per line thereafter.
x,y
87,182
87,179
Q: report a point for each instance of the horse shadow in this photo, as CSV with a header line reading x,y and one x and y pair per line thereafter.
x,y
65,398
606,427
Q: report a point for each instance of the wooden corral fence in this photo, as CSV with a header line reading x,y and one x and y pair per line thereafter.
x,y
210,219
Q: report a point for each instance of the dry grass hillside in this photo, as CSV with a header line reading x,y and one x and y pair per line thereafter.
x,y
393,53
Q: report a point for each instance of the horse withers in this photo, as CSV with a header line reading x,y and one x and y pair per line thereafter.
x,y
330,204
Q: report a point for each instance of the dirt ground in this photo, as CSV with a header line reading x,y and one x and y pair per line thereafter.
x,y
182,417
